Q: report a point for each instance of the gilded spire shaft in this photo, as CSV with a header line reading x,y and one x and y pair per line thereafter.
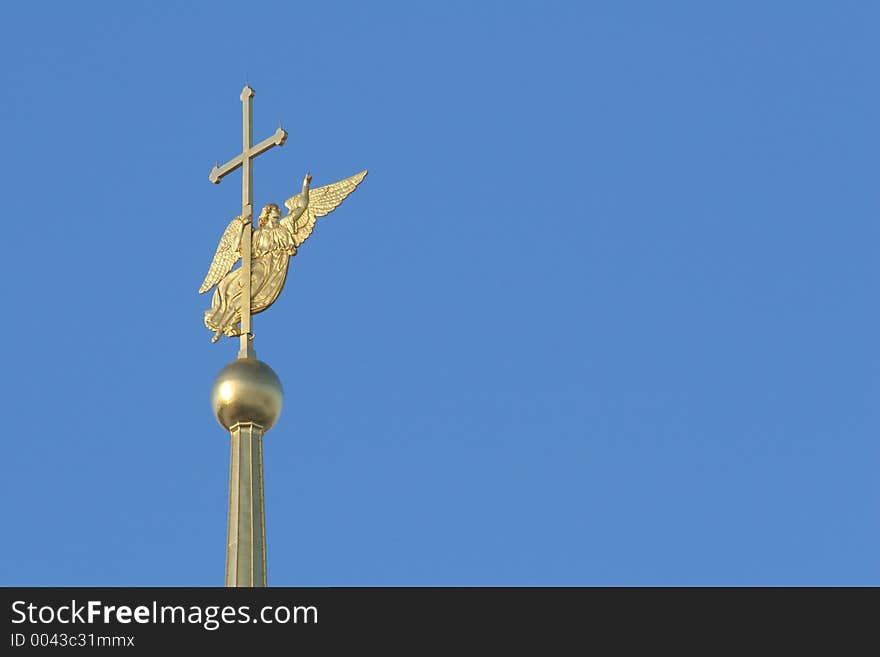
x,y
246,544
247,399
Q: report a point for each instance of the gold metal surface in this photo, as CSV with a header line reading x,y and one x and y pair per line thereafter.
x,y
264,252
246,533
247,395
243,160
247,390
271,246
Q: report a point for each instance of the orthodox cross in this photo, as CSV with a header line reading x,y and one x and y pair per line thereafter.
x,y
243,160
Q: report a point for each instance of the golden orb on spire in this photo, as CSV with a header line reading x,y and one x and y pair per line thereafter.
x,y
247,390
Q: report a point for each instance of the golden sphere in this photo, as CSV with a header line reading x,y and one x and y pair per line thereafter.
x,y
247,390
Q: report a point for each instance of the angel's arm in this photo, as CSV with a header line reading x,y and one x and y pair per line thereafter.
x,y
305,207
296,205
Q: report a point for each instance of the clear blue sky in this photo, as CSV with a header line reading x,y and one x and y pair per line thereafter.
x,y
605,310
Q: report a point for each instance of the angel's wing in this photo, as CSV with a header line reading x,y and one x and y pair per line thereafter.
x,y
322,200
226,256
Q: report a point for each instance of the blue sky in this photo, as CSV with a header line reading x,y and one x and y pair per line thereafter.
x,y
604,312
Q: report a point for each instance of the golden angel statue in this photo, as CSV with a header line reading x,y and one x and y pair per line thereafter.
x,y
273,244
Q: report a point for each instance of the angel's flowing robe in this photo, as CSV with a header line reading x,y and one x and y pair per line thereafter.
x,y
272,247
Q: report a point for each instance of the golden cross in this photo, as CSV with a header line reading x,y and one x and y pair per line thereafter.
x,y
243,160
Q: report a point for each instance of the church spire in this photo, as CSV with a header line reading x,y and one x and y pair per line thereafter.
x,y
247,398
247,395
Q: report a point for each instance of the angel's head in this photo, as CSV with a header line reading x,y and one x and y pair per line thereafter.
x,y
269,214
